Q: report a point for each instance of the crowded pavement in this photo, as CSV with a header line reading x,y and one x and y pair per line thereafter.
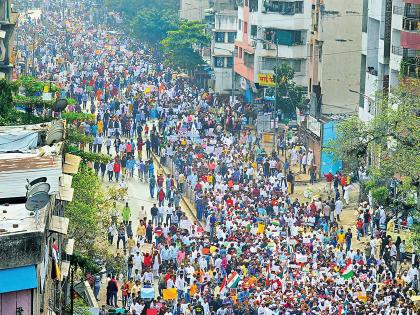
x,y
214,221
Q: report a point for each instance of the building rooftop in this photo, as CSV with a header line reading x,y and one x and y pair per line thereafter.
x,y
15,218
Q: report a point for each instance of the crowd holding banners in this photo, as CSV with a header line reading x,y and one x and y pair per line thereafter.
x,y
261,250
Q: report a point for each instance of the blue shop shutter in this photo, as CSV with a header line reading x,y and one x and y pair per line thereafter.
x,y
17,279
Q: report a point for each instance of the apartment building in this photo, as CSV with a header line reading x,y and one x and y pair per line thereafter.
x,y
390,49
405,41
270,33
334,57
222,50
8,20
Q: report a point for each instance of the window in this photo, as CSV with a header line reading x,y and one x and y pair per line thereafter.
x,y
284,37
249,60
229,62
219,62
236,52
246,3
284,7
254,30
240,52
239,24
231,37
270,63
219,37
253,5
245,27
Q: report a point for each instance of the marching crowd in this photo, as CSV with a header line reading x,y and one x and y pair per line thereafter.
x,y
255,248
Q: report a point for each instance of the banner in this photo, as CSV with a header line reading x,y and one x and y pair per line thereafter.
x,y
147,293
266,79
169,294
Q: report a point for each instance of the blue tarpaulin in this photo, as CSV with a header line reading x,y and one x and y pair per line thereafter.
x,y
18,140
17,279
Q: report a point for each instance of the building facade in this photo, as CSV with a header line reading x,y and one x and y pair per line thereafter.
x,y
34,248
7,39
193,10
390,49
334,57
270,33
222,50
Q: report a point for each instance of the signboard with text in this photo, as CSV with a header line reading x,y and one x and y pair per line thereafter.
x,y
266,79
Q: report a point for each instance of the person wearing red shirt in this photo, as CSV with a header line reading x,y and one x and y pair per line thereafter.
x,y
117,170
229,202
329,178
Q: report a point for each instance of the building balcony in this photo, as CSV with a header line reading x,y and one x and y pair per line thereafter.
x,y
410,67
410,39
268,49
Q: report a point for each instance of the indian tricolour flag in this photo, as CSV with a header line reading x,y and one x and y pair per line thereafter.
x,y
223,287
233,280
347,272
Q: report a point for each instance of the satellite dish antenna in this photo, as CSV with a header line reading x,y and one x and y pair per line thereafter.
x,y
55,133
60,105
37,196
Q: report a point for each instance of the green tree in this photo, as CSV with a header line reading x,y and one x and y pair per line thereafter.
x,y
88,210
181,46
152,25
130,8
391,138
6,97
289,94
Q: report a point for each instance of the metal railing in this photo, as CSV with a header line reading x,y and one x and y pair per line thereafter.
x,y
411,24
405,52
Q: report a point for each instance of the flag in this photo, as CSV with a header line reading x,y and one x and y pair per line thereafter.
x,y
169,294
147,293
233,280
55,270
276,223
267,278
347,272
223,287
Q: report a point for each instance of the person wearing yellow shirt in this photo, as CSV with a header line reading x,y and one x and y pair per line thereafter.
x,y
131,243
141,230
341,235
193,288
100,126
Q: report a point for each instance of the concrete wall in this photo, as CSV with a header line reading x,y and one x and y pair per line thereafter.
x,y
21,249
340,64
193,10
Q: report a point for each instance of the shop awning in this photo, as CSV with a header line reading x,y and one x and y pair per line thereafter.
x,y
17,279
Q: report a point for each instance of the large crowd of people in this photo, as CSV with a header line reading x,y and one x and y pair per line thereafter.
x,y
254,248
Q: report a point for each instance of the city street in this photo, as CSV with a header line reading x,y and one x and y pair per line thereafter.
x,y
254,157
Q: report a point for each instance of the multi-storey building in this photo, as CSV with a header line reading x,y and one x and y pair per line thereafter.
x,y
7,28
33,241
270,33
334,57
222,50
405,41
333,75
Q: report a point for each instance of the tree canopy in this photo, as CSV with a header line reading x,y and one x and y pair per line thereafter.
x,y
289,94
151,26
391,138
181,46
